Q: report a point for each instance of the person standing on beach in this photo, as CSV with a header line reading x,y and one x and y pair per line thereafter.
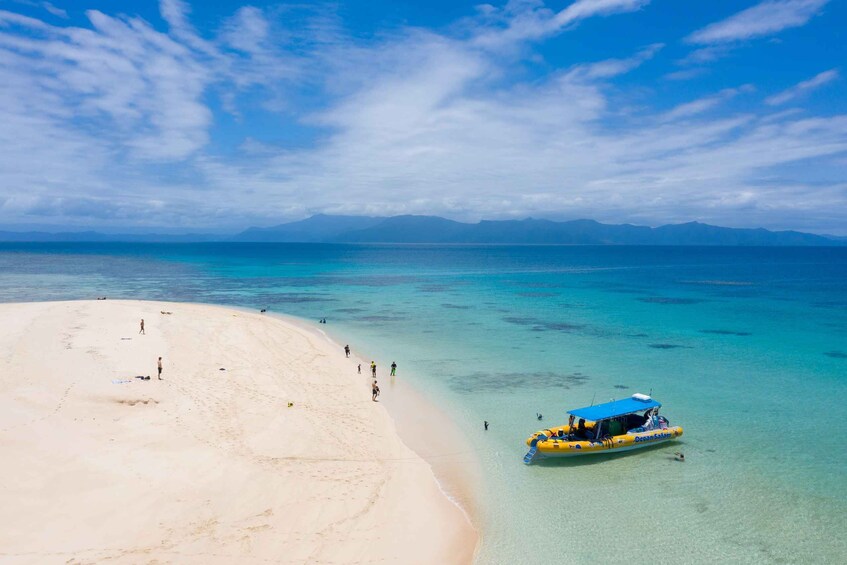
x,y
393,368
374,391
141,331
485,423
347,350
160,368
360,368
373,369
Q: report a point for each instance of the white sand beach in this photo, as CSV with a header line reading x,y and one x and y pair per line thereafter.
x,y
210,464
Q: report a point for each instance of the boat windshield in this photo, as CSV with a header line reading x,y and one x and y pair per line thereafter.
x,y
619,425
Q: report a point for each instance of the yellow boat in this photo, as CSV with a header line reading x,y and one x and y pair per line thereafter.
x,y
621,425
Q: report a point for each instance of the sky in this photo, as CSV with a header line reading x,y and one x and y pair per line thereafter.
x,y
216,116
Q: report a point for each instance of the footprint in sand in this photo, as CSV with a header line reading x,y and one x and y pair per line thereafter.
x,y
133,402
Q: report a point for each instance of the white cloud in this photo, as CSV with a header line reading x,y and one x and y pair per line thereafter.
x,y
255,56
11,18
582,9
138,86
111,122
706,55
176,12
701,105
802,88
765,18
614,67
531,20
430,145
58,12
686,74
247,30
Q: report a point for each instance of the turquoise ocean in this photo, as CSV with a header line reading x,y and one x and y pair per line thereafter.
x,y
745,347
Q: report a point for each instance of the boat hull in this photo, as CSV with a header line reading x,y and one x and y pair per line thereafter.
x,y
547,446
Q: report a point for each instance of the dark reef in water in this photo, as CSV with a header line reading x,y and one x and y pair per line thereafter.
x,y
668,346
536,284
670,300
540,325
334,280
520,321
830,304
620,288
836,354
725,332
507,382
456,306
382,318
557,326
441,287
715,282
350,310
363,280
301,298
537,294
621,386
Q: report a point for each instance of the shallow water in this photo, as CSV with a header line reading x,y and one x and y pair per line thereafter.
x,y
746,348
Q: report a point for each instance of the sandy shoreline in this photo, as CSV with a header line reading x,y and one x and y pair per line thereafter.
x,y
207,465
421,423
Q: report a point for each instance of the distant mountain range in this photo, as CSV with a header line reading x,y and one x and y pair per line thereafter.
x,y
432,229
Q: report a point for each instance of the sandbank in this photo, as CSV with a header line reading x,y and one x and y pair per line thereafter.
x,y
209,464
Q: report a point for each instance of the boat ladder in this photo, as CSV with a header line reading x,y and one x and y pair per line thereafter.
x,y
530,455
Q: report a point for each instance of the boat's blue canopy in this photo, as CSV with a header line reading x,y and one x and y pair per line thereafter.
x,y
613,409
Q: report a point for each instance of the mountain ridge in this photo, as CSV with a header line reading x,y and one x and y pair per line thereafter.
x,y
323,228
435,229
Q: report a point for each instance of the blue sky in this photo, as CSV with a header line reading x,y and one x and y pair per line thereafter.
x,y
217,116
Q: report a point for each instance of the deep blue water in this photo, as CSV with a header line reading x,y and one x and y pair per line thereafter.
x,y
746,348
